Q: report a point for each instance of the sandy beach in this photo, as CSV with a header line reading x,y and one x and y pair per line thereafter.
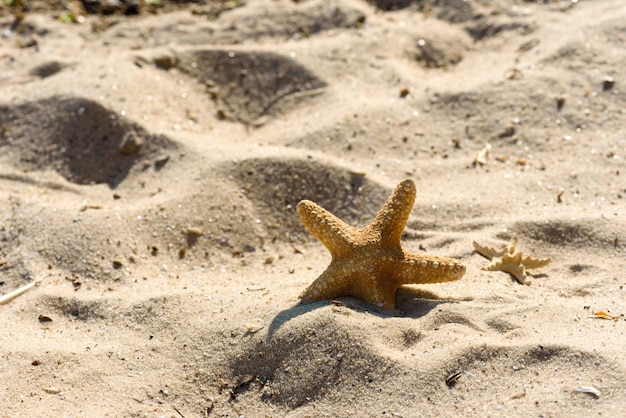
x,y
152,155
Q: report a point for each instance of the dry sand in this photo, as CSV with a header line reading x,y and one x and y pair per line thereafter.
x,y
170,274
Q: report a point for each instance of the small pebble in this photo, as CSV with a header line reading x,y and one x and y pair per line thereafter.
x,y
131,142
52,390
195,232
160,161
164,61
608,83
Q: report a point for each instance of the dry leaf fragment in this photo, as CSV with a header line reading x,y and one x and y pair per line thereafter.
x,y
241,385
480,158
296,250
453,377
513,74
518,395
44,318
604,315
85,207
588,389
253,329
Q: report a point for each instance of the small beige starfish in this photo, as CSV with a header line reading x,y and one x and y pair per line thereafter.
x,y
369,263
510,260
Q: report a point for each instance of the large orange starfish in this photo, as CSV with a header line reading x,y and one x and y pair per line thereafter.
x,y
369,263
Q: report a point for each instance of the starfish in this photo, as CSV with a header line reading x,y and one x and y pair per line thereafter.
x,y
510,260
369,262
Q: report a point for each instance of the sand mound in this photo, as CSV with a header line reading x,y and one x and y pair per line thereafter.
x,y
78,138
315,356
250,84
579,234
252,24
277,185
511,369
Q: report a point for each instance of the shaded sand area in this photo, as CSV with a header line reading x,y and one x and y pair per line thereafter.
x,y
150,166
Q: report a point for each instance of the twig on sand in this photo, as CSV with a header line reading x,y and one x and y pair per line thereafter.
x,y
176,409
17,292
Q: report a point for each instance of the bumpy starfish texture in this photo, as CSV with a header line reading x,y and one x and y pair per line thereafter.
x,y
369,263
510,260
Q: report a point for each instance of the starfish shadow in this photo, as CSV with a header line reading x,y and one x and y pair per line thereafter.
x,y
290,313
415,303
412,303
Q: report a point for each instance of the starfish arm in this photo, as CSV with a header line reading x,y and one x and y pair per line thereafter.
x,y
384,295
517,270
511,248
392,218
365,283
533,263
330,284
326,227
422,269
487,251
